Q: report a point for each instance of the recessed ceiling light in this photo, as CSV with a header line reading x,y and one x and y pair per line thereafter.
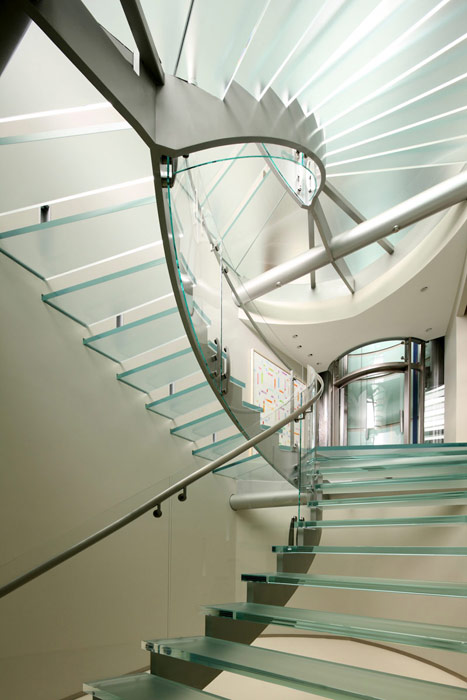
x,y
299,346
310,354
317,363
423,289
295,335
427,330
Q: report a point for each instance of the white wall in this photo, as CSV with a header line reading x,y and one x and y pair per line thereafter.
x,y
74,442
455,368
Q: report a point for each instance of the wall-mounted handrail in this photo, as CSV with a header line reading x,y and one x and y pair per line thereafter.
x,y
155,502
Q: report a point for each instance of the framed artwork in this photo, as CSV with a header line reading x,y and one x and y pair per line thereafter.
x,y
271,391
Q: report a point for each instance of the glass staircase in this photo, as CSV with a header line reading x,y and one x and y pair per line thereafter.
x,y
107,269
231,627
101,256
175,349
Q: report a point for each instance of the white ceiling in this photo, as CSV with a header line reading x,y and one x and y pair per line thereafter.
x,y
390,306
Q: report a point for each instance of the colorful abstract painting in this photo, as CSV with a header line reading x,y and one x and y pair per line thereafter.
x,y
272,391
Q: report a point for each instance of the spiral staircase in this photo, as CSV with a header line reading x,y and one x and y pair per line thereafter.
x,y
159,305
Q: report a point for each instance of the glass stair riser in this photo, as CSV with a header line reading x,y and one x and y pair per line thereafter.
x,y
220,447
161,372
434,520
135,338
60,245
434,588
356,626
202,427
143,686
408,484
112,294
184,401
439,497
324,678
373,550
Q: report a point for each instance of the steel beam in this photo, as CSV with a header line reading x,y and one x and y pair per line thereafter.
x,y
268,499
13,25
143,38
81,38
340,266
239,118
427,203
352,212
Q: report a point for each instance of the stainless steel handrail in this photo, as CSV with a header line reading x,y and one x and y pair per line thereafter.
x,y
156,501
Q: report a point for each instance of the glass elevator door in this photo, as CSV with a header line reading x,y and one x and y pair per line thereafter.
x,y
372,410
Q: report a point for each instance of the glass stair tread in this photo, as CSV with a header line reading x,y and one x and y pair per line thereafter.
x,y
135,338
201,427
164,371
60,245
183,401
359,627
325,678
328,460
389,466
387,522
254,468
112,294
371,452
371,550
143,686
220,447
402,484
446,497
356,583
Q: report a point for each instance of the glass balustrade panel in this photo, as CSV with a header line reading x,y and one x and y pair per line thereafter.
x,y
216,203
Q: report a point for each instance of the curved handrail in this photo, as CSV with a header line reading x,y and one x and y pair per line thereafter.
x,y
155,502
